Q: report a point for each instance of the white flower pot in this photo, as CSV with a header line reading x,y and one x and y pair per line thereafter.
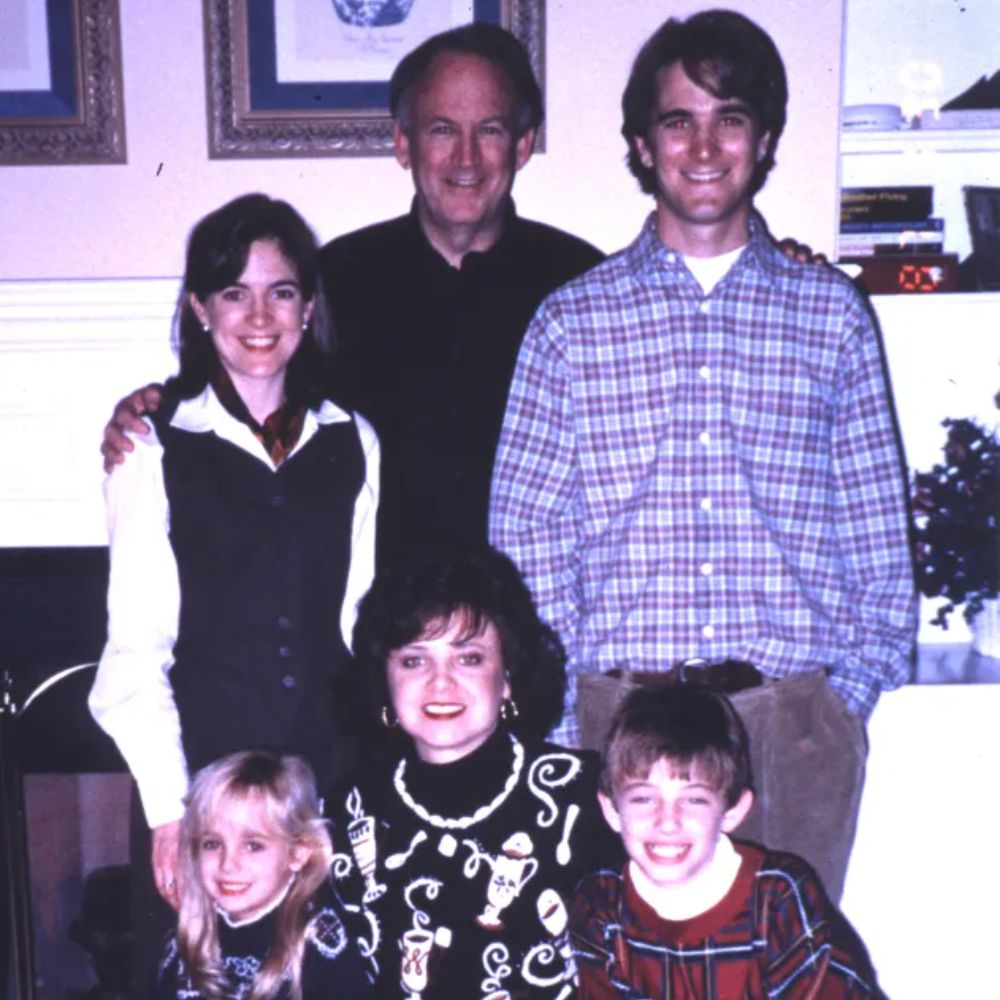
x,y
986,630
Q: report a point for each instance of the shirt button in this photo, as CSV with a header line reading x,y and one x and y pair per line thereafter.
x,y
708,631
704,437
277,501
706,503
284,652
288,681
284,622
704,307
706,569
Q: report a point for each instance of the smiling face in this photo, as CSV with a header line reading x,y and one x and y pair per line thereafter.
x,y
446,688
245,864
256,325
670,825
704,151
461,148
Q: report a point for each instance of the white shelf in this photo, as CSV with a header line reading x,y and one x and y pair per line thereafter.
x,y
936,304
949,159
918,142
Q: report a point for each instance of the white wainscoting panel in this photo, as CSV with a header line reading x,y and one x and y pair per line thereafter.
x,y
924,875
68,351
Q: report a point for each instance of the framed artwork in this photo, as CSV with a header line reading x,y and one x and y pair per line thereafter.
x,y
60,82
982,205
311,77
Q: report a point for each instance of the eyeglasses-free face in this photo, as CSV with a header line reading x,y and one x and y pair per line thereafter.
x,y
446,689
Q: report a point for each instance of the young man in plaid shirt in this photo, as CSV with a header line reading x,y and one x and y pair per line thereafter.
x,y
694,915
699,458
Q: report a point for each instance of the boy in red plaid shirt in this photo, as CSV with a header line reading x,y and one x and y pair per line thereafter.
x,y
694,915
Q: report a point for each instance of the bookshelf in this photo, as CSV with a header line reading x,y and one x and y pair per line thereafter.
x,y
917,58
948,159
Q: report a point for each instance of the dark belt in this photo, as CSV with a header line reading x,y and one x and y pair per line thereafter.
x,y
726,677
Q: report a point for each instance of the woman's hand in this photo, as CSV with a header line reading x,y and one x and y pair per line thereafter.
x,y
166,861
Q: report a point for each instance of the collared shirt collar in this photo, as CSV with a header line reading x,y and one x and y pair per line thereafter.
x,y
509,215
278,433
651,255
204,414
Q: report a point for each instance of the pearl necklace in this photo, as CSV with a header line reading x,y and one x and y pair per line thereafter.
x,y
463,822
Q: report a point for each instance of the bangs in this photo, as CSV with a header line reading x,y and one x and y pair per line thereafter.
x,y
707,766
470,623
270,819
722,78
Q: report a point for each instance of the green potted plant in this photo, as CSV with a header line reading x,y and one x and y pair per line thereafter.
x,y
956,513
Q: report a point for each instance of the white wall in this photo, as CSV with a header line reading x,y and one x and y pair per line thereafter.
x,y
918,61
131,220
923,899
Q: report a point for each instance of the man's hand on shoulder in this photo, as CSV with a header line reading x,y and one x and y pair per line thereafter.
x,y
801,252
128,417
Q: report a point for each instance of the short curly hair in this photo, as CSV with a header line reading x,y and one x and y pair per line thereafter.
x,y
722,52
431,584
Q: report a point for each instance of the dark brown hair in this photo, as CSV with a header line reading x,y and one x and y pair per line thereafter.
x,y
696,730
477,585
722,52
217,252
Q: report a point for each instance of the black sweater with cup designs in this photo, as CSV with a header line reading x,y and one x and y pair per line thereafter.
x,y
457,876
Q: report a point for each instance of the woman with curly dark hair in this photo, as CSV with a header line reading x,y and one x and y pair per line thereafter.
x,y
468,836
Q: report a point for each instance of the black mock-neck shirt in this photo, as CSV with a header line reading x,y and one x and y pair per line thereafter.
x,y
426,351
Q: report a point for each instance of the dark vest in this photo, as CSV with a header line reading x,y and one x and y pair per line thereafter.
x,y
262,558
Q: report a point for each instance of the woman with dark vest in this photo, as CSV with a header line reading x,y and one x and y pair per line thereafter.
x,y
242,530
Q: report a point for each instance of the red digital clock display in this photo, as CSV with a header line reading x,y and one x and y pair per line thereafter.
x,y
920,277
907,274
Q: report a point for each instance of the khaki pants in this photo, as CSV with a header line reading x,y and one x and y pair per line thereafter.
x,y
807,755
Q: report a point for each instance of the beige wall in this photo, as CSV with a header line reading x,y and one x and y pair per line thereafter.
x,y
131,220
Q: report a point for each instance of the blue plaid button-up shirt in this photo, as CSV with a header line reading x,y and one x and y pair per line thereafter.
x,y
686,475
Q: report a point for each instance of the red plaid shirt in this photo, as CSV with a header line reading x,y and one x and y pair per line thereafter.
x,y
775,934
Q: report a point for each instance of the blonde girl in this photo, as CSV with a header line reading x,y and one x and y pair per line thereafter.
x,y
258,918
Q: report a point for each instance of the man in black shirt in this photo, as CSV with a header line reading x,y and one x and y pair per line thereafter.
x,y
429,309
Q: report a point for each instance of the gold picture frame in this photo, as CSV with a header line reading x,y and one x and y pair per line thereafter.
x,y
252,114
80,118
